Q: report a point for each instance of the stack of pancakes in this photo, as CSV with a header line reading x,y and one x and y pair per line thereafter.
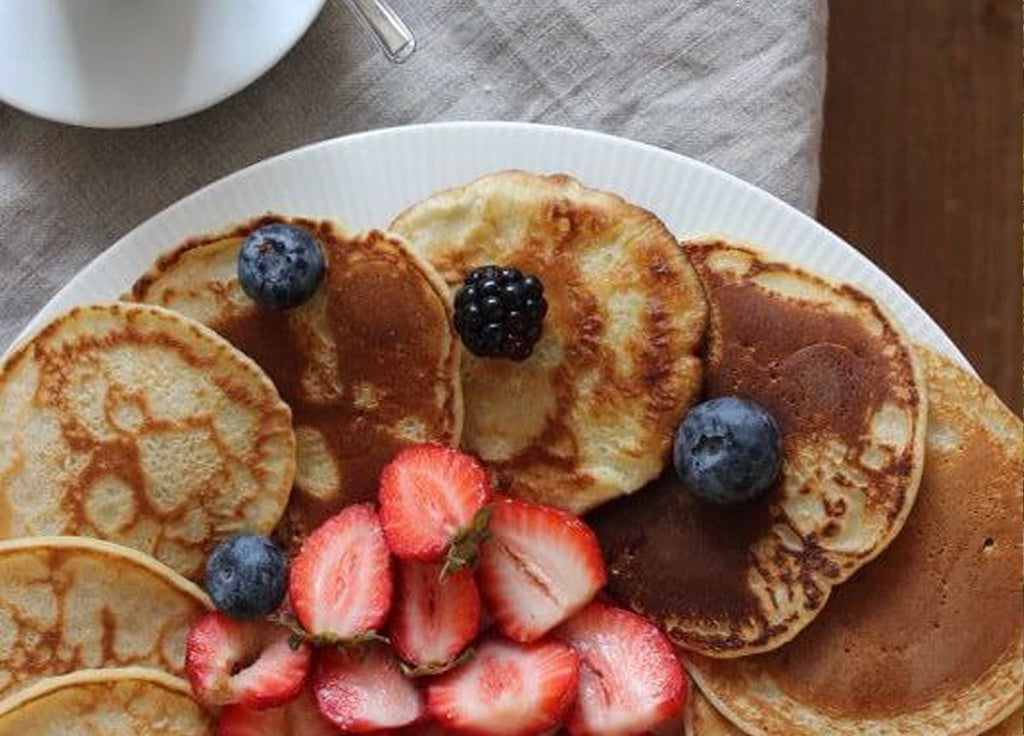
x,y
853,598
876,589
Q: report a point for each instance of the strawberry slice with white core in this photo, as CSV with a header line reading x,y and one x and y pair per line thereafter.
x,y
340,583
430,498
630,678
248,662
538,567
507,689
300,717
434,617
362,689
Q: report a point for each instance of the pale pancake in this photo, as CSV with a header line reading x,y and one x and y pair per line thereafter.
x,y
846,389
132,701
70,603
701,718
369,365
591,414
927,640
132,424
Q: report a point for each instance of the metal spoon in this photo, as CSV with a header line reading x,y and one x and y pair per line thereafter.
x,y
395,37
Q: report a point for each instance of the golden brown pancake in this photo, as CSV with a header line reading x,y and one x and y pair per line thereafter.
x,y
927,640
369,365
70,603
132,701
591,414
846,389
701,718
131,423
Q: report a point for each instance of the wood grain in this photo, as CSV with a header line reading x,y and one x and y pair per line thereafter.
x,y
921,163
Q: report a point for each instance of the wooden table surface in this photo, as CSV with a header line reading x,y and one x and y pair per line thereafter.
x,y
921,163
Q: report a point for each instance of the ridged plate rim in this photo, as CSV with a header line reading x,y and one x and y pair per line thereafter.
x,y
365,179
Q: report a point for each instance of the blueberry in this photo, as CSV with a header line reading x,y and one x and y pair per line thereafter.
x,y
728,450
280,266
247,576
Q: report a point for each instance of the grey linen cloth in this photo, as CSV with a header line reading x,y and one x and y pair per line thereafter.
x,y
735,83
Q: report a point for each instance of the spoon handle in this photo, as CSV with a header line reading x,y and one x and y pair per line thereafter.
x,y
395,37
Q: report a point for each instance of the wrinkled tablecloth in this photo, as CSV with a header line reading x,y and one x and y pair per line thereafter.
x,y
735,83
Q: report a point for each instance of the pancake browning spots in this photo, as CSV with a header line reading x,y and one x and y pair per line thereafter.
x,y
71,603
133,424
701,718
927,640
591,414
369,365
128,701
846,390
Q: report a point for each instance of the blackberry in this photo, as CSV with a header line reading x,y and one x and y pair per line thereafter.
x,y
499,312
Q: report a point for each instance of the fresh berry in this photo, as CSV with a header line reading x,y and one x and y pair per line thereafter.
x,y
362,689
432,502
499,312
300,717
254,663
507,689
728,450
340,585
538,567
434,617
280,266
247,576
630,678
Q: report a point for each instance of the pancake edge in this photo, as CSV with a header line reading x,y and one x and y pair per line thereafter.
x,y
50,685
167,261
109,549
918,445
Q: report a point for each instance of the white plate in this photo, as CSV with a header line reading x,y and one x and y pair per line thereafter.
x,y
365,180
123,63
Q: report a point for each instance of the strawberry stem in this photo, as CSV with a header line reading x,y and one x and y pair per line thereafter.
x,y
465,547
437,668
299,635
352,642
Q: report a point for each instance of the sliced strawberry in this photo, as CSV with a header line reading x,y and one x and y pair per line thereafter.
x,y
538,567
300,717
362,689
433,619
630,681
507,689
251,662
431,499
340,583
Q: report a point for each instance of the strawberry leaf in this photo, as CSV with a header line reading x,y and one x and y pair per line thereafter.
x,y
465,547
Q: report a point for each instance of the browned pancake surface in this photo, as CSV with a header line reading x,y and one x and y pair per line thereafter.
x,y
590,415
928,638
838,377
368,366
